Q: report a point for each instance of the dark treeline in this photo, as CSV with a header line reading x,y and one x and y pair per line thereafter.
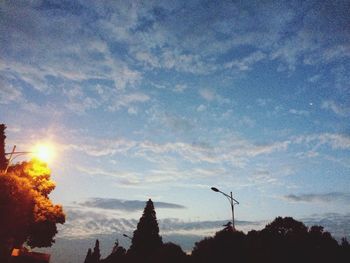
x,y
284,240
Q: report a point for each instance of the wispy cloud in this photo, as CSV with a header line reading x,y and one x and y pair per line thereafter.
x,y
337,108
84,223
9,93
323,198
299,112
211,95
125,205
335,140
247,62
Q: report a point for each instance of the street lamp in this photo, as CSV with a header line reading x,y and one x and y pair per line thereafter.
x,y
42,152
13,154
125,235
232,201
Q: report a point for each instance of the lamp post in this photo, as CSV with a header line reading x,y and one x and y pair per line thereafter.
x,y
13,154
125,235
232,201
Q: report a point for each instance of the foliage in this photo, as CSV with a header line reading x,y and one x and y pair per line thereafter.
x,y
28,215
283,240
118,255
3,160
170,253
146,239
226,244
93,257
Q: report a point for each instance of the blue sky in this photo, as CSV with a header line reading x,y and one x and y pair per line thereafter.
x,y
164,99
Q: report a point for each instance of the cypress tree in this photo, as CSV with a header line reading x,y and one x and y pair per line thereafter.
x,y
88,256
3,160
96,255
146,239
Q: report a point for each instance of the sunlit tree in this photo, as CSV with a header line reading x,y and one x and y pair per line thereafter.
x,y
27,213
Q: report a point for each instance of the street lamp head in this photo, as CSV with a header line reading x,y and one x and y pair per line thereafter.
x,y
215,189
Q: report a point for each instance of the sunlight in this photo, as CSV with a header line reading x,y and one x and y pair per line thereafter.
x,y
44,152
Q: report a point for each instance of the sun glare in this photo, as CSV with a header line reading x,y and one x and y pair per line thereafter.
x,y
44,152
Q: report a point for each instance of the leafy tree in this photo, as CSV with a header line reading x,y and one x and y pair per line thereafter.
x,y
226,244
322,246
170,253
146,239
27,213
286,226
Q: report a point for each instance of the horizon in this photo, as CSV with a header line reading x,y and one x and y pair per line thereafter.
x,y
166,99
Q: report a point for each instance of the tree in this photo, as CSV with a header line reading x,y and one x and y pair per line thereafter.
x,y
117,255
3,160
146,239
285,226
96,255
170,253
27,213
88,256
225,245
93,257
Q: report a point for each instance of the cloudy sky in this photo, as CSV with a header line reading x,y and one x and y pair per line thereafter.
x,y
164,99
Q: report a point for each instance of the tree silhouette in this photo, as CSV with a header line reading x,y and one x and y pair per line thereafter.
x,y
283,240
170,253
96,255
118,255
88,256
225,245
93,257
3,160
146,240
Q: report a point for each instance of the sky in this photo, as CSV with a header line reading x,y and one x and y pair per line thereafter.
x,y
165,99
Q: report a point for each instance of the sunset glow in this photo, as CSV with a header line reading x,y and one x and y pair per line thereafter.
x,y
127,101
44,152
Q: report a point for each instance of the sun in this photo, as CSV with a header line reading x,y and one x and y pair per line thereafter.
x,y
44,152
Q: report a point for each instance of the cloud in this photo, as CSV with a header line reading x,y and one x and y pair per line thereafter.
x,y
9,93
233,151
163,120
210,95
82,222
179,88
207,94
299,112
125,205
247,62
201,108
337,108
336,223
125,100
85,223
323,198
335,140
